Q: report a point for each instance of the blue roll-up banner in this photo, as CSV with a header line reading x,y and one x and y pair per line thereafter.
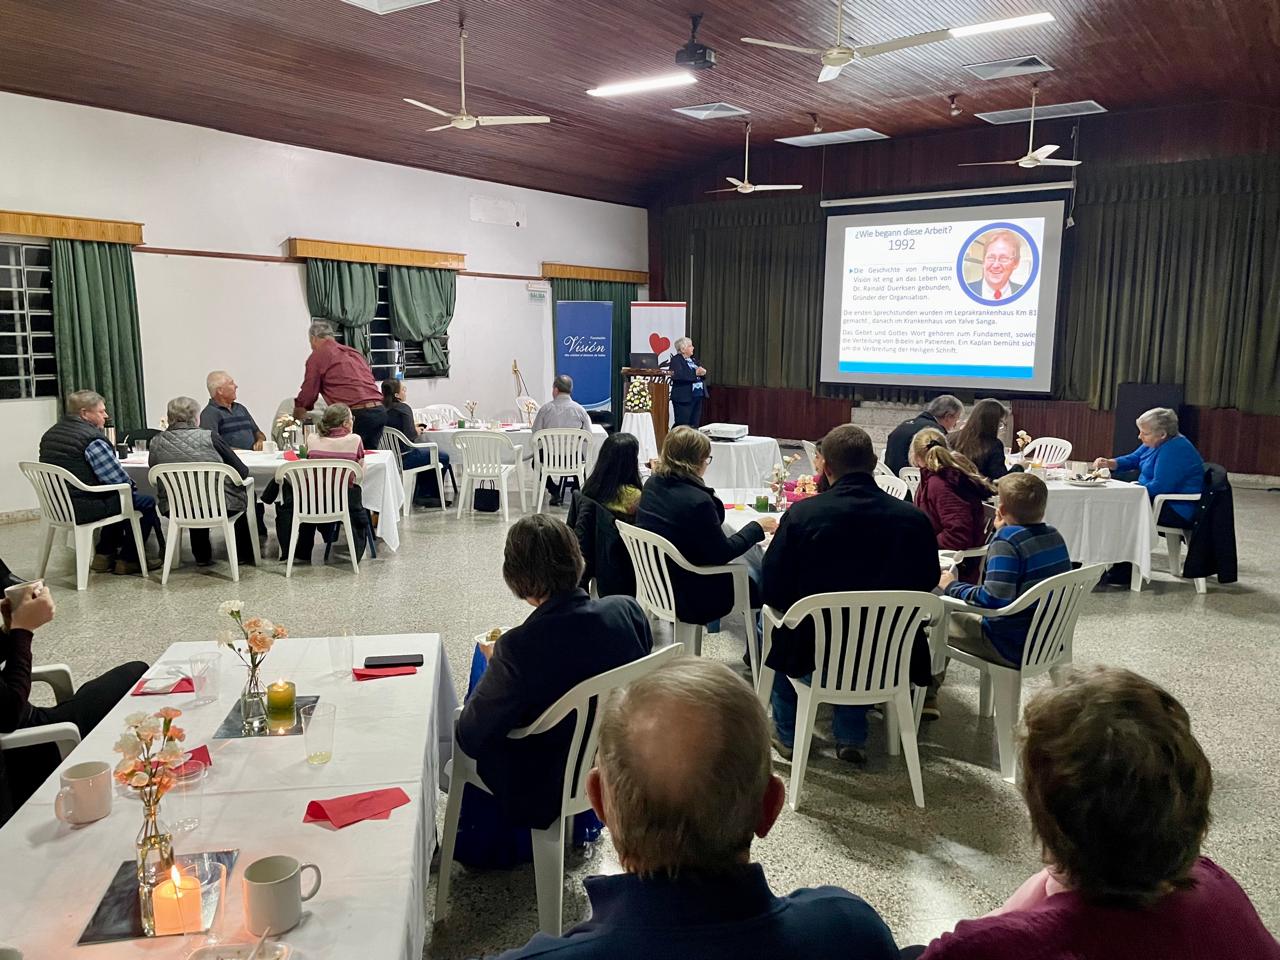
x,y
584,350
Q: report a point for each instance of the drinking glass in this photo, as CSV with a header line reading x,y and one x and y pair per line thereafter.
x,y
139,446
341,655
318,722
185,798
204,676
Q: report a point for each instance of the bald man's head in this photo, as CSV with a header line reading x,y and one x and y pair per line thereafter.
x,y
683,770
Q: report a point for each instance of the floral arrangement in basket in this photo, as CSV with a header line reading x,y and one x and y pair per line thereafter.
x,y
259,636
637,398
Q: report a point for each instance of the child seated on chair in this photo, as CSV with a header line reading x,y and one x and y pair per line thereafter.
x,y
1024,551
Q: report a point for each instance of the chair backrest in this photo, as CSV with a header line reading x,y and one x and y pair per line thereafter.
x,y
1057,603
811,451
891,484
482,452
862,639
442,411
1050,451
53,490
391,441
649,554
320,487
527,407
881,470
911,477
195,491
584,702
563,449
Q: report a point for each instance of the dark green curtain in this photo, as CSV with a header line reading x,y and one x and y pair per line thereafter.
x,y
622,295
346,294
1176,279
751,272
95,326
422,302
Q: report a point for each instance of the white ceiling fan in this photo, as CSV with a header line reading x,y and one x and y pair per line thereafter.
x,y
1035,156
745,185
839,56
463,120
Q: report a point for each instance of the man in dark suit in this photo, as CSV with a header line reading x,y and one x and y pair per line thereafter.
x,y
567,639
942,413
999,260
853,537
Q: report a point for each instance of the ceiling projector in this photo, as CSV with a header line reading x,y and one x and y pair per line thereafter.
x,y
694,55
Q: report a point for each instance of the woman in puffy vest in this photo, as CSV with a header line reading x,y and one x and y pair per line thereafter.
x,y
185,441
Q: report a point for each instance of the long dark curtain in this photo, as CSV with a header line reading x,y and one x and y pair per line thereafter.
x,y
346,294
622,295
95,326
422,304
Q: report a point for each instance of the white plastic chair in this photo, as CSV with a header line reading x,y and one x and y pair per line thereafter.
x,y
862,655
583,703
446,412
652,557
396,442
1049,451
197,495
559,453
1174,537
911,477
811,451
1057,603
891,485
53,486
65,734
321,494
485,456
881,470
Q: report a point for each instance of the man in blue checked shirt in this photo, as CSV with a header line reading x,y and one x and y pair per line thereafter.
x,y
77,444
1024,551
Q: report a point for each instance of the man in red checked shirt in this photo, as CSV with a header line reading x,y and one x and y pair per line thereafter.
x,y
341,375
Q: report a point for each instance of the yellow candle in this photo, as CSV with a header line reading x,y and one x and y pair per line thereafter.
x,y
280,700
177,906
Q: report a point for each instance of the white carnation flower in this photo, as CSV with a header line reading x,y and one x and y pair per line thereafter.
x,y
133,719
128,745
227,638
229,607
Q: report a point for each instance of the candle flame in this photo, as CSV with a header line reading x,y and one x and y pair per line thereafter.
x,y
176,876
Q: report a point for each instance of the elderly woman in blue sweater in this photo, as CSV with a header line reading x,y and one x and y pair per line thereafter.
x,y
1167,462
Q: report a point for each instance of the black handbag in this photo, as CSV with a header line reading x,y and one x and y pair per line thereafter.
x,y
485,497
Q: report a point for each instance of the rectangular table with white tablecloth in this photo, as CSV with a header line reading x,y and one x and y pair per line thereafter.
x,y
391,732
381,490
1106,523
519,434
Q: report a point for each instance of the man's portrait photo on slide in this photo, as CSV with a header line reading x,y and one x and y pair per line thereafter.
x,y
997,264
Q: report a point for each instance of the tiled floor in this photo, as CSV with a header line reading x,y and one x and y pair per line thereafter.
x,y
922,869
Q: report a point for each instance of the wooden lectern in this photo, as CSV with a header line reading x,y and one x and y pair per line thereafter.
x,y
660,396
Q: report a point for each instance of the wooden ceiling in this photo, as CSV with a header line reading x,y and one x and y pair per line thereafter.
x,y
328,75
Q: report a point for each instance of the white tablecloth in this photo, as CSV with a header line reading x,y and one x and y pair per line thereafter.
x,y
387,498
1104,524
640,426
747,462
372,904
521,435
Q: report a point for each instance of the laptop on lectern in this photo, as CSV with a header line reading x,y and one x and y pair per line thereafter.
x,y
644,361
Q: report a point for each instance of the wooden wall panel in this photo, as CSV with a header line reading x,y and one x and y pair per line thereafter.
x,y
367,253
570,271
790,414
69,228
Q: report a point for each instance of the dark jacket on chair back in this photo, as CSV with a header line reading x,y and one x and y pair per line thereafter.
x,y
1213,539
853,537
63,445
607,560
691,516
570,638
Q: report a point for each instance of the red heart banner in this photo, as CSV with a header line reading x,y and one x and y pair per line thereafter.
x,y
658,343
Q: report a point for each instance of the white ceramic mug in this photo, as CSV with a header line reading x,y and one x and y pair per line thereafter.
x,y
273,895
86,793
269,446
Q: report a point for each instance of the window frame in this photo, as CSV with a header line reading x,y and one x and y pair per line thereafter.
x,y
34,349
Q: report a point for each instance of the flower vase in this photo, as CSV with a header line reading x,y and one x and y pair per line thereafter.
x,y
253,703
155,857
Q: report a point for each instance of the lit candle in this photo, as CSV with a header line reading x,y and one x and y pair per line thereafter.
x,y
280,700
176,904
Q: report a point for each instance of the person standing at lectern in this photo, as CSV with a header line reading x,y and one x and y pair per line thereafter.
x,y
688,385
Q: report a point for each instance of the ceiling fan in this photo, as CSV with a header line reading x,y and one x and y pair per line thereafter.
x,y
1038,157
839,56
746,186
463,120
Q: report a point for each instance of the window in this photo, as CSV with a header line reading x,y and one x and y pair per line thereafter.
x,y
28,367
390,357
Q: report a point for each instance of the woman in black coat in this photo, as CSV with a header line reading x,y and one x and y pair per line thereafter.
x,y
676,504
611,493
979,439
688,384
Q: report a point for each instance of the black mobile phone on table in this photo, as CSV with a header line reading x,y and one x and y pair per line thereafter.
x,y
395,660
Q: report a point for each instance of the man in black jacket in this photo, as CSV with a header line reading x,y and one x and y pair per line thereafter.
x,y
942,413
853,537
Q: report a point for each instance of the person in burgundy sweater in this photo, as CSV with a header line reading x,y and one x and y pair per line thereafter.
x,y
952,494
1118,791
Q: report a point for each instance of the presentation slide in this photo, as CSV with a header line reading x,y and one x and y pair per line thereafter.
x,y
955,297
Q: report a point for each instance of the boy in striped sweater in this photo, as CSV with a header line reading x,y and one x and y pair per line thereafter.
x,y
1024,551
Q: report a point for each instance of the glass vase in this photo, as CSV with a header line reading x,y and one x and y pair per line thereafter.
x,y
155,857
253,703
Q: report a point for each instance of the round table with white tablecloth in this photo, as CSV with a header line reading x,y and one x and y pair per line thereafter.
x,y
640,426
747,462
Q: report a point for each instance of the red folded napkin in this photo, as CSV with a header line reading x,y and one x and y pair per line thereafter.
x,y
199,753
373,673
290,456
182,685
344,811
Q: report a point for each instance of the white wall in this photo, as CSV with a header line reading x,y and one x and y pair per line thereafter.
x,y
202,189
